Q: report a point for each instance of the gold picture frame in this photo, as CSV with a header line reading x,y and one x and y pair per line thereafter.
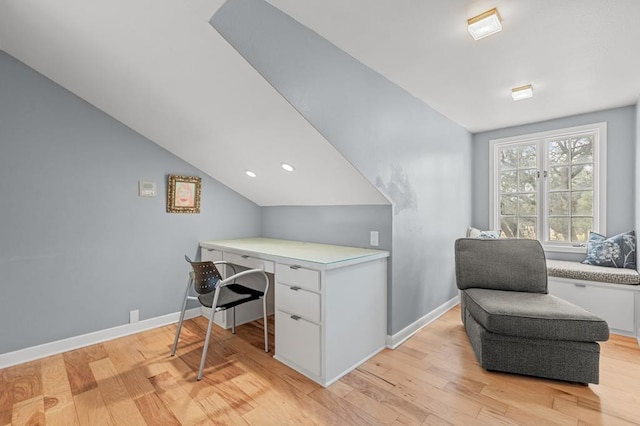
x,y
183,194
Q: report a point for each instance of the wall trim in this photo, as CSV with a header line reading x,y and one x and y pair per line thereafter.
x,y
53,348
399,338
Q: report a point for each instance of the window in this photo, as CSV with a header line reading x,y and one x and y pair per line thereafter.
x,y
550,186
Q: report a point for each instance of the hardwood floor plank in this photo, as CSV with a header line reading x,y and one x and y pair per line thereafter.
x,y
167,389
384,397
433,378
29,412
154,411
188,412
27,382
77,364
118,401
221,412
352,414
91,409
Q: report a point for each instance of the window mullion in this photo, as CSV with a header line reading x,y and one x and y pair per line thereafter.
x,y
542,195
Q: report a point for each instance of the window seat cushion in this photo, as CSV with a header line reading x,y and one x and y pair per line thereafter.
x,y
581,271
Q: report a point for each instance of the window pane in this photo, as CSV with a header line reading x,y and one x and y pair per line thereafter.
x,y
527,180
582,151
527,204
527,157
509,205
558,193
508,158
559,152
582,176
508,182
582,203
509,227
559,178
527,228
559,229
559,203
580,228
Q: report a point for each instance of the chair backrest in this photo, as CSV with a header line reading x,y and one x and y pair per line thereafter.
x,y
501,264
206,276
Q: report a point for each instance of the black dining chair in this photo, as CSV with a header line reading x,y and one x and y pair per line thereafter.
x,y
220,294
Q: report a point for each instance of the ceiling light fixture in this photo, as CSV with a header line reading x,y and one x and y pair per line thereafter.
x,y
250,173
522,92
485,24
288,167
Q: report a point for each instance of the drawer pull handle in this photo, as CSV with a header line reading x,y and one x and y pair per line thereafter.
x,y
579,285
244,256
295,288
295,266
295,317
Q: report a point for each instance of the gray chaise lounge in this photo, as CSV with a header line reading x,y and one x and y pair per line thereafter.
x,y
513,324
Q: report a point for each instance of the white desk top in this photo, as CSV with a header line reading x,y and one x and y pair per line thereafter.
x,y
309,252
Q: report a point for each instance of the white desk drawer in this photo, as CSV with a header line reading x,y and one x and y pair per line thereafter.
x,y
294,275
249,262
210,255
297,301
298,341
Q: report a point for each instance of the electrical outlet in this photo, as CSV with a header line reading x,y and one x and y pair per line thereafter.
x,y
134,316
373,238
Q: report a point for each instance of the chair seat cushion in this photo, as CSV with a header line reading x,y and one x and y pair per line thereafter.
x,y
231,295
535,315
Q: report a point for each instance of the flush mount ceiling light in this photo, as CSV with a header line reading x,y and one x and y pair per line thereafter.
x,y
522,92
250,173
485,24
288,167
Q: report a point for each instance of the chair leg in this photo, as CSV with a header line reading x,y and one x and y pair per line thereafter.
x,y
266,334
233,324
184,308
206,340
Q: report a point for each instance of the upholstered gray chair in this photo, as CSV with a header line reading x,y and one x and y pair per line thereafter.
x,y
513,325
220,294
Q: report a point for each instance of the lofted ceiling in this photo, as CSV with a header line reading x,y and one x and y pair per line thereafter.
x,y
158,67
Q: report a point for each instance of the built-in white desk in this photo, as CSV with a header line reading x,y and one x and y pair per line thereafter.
x,y
330,301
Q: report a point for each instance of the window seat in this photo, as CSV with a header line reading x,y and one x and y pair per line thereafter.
x,y
581,271
611,293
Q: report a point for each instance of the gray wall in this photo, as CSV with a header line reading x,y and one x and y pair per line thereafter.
x,y
342,225
621,141
78,248
419,159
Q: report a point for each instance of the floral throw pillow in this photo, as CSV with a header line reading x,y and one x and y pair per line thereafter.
x,y
618,251
486,235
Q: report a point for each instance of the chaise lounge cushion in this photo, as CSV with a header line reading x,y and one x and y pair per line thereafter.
x,y
533,315
510,264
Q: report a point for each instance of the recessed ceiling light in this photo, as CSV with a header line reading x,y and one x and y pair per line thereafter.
x,y
485,24
288,167
522,92
250,173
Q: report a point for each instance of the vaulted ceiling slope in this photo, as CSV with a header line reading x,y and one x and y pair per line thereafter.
x,y
160,68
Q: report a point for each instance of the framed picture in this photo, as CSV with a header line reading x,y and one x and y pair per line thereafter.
x,y
183,194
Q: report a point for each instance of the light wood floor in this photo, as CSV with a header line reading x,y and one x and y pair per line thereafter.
x,y
433,378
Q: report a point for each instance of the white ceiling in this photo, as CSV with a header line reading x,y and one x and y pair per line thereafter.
x,y
160,68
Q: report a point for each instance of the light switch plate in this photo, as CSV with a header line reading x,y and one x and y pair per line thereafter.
x,y
147,188
373,238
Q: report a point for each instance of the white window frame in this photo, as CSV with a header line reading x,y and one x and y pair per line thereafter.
x,y
541,140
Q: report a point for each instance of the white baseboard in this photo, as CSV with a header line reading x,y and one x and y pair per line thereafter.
x,y
398,338
47,349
